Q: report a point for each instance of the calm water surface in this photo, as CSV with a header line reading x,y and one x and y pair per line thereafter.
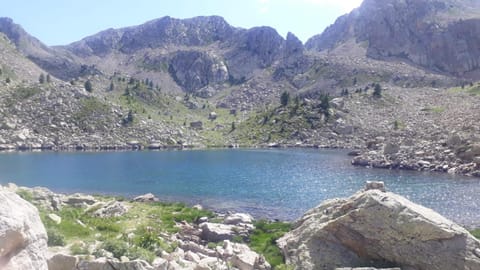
x,y
267,183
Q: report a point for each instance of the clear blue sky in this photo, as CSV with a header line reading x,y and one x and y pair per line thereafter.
x,y
59,22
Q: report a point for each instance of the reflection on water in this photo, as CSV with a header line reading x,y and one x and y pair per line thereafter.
x,y
276,183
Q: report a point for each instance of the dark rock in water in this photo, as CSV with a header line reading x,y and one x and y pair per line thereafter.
x,y
354,153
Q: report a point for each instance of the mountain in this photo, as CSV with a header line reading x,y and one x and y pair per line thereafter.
x,y
200,81
57,62
440,35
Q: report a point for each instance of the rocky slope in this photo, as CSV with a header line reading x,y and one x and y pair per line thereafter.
x,y
437,35
202,82
86,232
100,232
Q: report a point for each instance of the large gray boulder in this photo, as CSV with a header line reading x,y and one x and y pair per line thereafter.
x,y
378,229
23,239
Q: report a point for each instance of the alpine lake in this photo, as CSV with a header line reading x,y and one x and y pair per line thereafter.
x,y
267,183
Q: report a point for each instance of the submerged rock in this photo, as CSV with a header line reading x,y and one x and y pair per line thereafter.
x,y
378,229
23,240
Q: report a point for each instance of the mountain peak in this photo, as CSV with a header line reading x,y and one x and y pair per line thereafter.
x,y
438,35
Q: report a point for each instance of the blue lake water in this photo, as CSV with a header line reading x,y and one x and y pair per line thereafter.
x,y
280,184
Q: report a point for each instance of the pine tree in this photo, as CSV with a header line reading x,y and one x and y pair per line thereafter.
x,y
284,98
48,78
112,86
377,91
41,79
88,86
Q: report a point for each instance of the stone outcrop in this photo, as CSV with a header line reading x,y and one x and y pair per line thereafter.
x,y
378,229
23,239
149,197
111,209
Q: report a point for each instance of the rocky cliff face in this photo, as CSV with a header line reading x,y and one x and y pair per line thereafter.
x,y
438,35
195,53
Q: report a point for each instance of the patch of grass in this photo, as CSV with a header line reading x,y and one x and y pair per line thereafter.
x,y
79,249
117,247
264,237
23,92
435,109
91,111
476,233
55,238
26,195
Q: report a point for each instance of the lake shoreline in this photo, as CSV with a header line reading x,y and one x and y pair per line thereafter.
x,y
268,183
359,158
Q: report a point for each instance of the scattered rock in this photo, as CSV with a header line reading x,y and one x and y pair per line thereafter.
x,y
238,218
61,261
149,197
214,232
111,209
79,200
55,218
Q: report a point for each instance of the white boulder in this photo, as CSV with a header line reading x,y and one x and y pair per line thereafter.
x,y
23,239
378,229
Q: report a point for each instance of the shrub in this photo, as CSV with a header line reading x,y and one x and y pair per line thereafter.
x,y
117,247
284,98
55,238
377,91
41,79
476,233
79,249
25,194
88,86
141,254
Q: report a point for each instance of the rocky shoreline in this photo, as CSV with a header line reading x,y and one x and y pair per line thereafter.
x,y
373,228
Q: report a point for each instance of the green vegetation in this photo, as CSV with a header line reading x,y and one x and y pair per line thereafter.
x,y
22,92
41,79
325,104
284,98
282,123
55,238
79,248
377,91
435,109
264,237
26,195
471,88
476,233
88,86
92,112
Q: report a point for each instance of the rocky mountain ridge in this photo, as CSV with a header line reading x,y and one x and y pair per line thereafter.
x,y
201,82
437,35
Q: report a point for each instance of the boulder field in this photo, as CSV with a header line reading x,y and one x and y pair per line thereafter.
x,y
373,229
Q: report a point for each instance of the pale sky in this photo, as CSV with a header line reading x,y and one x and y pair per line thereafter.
x,y
59,22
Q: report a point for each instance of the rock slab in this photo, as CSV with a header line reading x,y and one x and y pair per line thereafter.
x,y
23,239
378,229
